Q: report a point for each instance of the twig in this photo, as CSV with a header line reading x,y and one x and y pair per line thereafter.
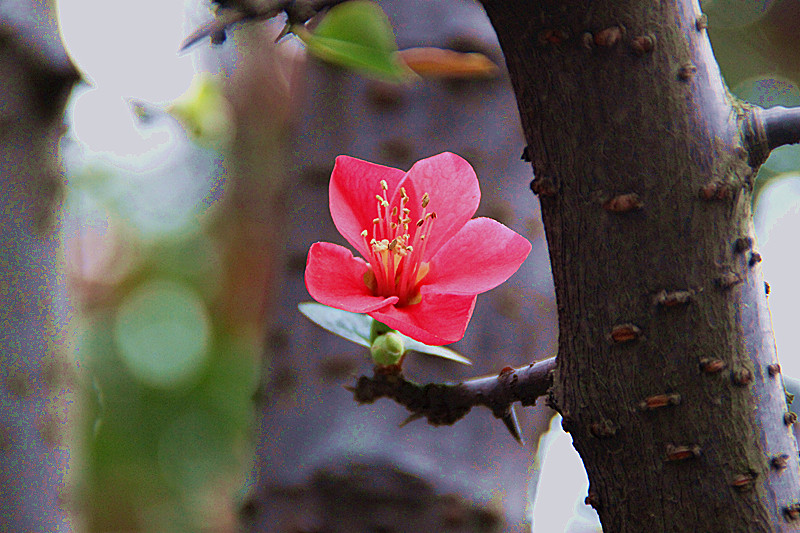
x,y
767,129
446,403
231,12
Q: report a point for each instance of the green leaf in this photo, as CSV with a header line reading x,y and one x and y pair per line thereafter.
x,y
357,35
438,351
356,328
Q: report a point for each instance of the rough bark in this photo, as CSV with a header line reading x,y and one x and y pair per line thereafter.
x,y
37,77
665,373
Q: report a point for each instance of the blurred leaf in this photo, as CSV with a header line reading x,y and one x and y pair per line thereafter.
x,y
204,113
357,35
443,63
755,39
356,327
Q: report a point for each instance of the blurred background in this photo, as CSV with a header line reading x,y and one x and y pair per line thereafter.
x,y
199,396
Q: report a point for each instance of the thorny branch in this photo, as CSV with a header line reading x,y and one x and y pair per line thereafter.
x,y
230,12
767,129
446,403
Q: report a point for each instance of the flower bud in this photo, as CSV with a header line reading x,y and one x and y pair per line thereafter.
x,y
387,349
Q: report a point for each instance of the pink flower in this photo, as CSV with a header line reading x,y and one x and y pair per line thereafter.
x,y
426,259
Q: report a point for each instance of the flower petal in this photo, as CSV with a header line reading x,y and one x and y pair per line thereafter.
x,y
438,319
481,256
454,194
335,278
354,184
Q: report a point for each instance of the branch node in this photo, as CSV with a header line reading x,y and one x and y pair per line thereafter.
x,y
543,187
687,71
715,190
701,23
603,429
673,299
712,366
744,482
592,499
622,333
728,280
779,462
792,512
763,130
609,37
742,244
742,377
623,203
773,369
660,400
682,453
552,36
643,44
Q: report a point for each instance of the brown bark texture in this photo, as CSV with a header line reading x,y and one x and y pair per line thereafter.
x,y
666,373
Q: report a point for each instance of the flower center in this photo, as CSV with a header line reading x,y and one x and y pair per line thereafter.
x,y
396,248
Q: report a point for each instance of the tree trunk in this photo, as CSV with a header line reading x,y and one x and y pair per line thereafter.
x,y
667,377
37,78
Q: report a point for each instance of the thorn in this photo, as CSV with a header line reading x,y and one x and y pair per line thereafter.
x,y
213,27
349,388
286,30
411,418
509,418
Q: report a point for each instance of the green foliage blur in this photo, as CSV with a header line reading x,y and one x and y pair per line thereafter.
x,y
756,44
166,380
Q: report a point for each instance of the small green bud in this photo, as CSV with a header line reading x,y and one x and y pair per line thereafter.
x,y
377,329
387,349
